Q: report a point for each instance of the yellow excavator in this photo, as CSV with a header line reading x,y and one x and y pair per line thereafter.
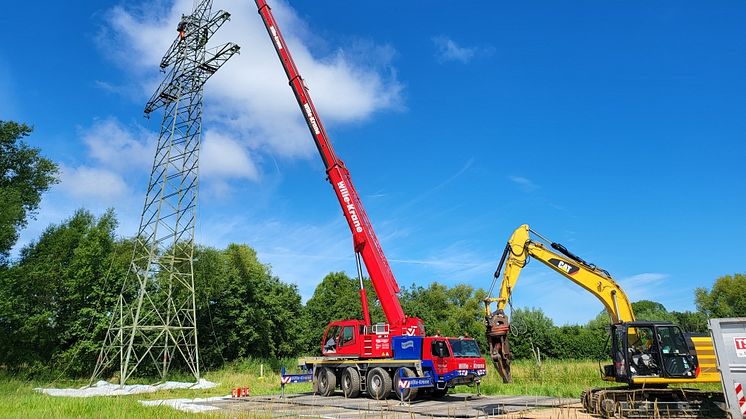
x,y
647,356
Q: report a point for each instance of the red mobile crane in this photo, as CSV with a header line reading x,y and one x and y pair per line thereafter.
x,y
362,356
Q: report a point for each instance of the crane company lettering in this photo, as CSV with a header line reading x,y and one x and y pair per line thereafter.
x,y
350,206
275,37
311,118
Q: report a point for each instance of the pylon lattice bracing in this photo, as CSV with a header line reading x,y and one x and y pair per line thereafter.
x,y
155,316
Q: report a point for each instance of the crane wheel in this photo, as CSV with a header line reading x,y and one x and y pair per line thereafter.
x,y
327,382
410,393
438,393
378,383
350,382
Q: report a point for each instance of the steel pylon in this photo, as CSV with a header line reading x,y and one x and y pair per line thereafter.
x,y
155,320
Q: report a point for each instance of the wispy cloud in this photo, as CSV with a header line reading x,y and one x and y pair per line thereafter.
x,y
446,49
440,185
525,184
645,286
294,250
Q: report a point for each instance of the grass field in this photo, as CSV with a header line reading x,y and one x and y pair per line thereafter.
x,y
18,399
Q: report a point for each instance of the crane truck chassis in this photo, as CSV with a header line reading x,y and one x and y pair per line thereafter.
x,y
360,356
446,362
647,356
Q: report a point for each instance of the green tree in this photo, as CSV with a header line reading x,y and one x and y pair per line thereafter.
x,y
727,298
54,299
652,311
531,329
455,311
242,309
691,321
337,297
24,176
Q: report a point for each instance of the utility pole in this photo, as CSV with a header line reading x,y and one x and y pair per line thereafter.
x,y
155,317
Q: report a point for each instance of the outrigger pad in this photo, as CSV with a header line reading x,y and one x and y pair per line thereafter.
x,y
498,326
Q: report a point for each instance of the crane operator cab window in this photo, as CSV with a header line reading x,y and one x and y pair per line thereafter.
x,y
439,349
348,335
331,339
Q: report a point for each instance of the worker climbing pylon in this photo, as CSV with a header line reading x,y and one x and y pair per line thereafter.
x,y
181,28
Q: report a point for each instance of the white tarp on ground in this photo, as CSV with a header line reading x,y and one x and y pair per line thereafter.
x,y
103,388
186,405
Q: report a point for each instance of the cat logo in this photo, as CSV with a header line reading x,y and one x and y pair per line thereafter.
x,y
563,266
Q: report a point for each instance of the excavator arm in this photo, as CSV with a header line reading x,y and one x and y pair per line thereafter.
x,y
520,248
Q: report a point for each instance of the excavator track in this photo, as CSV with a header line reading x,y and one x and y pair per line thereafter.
x,y
625,402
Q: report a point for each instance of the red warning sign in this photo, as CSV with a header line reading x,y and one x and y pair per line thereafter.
x,y
740,343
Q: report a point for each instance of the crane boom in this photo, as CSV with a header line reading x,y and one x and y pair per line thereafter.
x,y
364,239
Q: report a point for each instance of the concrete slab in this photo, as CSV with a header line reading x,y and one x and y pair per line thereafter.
x,y
455,406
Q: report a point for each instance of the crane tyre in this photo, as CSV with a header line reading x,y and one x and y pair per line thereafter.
x,y
378,383
410,393
327,382
350,382
438,393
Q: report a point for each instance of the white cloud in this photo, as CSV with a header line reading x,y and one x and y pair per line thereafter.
x,y
456,263
449,50
116,146
645,286
524,183
249,98
91,182
223,157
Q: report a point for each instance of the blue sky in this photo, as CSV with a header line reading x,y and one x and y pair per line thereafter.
x,y
614,128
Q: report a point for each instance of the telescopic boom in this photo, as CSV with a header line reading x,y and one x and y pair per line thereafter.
x,y
364,239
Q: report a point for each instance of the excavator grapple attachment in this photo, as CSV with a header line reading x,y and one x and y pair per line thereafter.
x,y
498,327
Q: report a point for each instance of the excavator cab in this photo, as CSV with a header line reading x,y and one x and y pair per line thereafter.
x,y
650,350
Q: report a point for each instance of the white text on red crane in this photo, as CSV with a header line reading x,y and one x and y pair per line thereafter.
x,y
311,118
350,206
276,37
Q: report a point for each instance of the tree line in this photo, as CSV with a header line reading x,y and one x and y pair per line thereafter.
x,y
57,295
56,300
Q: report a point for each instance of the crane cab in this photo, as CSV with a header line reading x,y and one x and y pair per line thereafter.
x,y
353,339
650,353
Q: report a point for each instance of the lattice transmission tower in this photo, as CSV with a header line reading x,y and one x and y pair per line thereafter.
x,y
155,315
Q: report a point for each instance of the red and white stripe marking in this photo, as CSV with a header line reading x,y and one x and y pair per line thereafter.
x,y
741,398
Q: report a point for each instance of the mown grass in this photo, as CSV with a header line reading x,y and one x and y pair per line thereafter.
x,y
19,400
558,378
